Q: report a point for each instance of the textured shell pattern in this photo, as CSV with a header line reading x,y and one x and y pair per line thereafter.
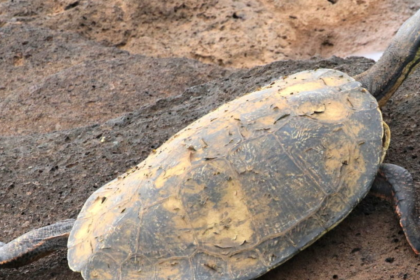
x,y
240,190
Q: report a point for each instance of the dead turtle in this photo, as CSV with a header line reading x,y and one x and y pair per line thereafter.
x,y
246,187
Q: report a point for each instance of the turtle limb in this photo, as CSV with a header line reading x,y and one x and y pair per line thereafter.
x,y
35,244
398,61
395,184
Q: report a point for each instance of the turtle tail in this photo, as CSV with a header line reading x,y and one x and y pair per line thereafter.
x,y
399,60
35,244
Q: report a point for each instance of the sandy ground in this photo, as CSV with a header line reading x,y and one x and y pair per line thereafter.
x,y
229,33
133,73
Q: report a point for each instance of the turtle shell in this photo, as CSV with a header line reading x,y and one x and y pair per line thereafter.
x,y
240,190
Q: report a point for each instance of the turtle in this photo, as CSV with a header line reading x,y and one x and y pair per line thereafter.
x,y
246,187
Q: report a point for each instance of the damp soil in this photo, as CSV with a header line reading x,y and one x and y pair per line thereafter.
x,y
229,33
80,104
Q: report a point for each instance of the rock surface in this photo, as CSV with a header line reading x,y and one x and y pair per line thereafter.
x,y
225,32
81,103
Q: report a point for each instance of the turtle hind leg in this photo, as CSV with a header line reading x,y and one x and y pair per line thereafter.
x,y
35,244
395,184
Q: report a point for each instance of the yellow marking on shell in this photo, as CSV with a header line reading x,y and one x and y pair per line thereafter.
x,y
100,274
172,204
228,223
269,121
343,159
103,211
296,89
387,142
354,128
223,133
356,101
335,81
244,263
78,253
335,157
269,114
170,270
310,81
262,105
179,224
178,168
113,194
102,223
193,188
297,78
331,111
221,114
139,274
97,205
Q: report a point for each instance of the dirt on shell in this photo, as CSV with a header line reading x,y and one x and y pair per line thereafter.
x,y
89,88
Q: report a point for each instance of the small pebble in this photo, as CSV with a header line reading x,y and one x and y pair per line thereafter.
x,y
389,260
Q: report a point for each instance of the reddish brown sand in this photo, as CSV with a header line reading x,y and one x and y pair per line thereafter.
x,y
74,73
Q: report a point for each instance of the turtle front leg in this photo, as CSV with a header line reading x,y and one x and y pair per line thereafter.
x,y
395,184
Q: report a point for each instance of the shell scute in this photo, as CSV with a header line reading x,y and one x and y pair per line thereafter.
x,y
167,232
214,202
246,186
